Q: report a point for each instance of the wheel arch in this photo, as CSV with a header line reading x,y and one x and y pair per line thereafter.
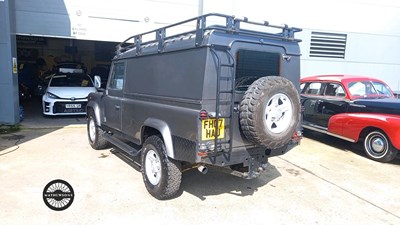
x,y
364,132
95,108
381,152
152,126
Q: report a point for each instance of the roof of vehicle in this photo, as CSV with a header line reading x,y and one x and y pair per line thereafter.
x,y
70,67
70,75
338,78
207,26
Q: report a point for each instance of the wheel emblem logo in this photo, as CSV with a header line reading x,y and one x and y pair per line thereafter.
x,y
58,195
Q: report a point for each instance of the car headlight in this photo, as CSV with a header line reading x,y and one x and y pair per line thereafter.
x,y
51,95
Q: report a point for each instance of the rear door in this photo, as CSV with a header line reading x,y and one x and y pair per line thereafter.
x,y
311,95
113,97
332,103
321,101
253,61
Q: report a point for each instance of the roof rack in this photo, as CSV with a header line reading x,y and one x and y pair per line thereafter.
x,y
232,25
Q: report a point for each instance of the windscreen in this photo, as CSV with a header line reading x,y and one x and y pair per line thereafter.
x,y
369,89
71,80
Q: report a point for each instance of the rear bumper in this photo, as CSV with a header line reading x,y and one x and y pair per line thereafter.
x,y
245,163
245,155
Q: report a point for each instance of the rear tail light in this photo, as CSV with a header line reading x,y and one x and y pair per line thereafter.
x,y
297,136
203,114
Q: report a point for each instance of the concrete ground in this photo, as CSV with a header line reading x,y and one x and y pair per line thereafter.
x,y
322,181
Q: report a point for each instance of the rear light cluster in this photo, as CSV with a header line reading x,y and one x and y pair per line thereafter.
x,y
297,136
203,114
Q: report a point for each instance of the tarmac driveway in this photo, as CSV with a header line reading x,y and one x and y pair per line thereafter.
x,y
316,183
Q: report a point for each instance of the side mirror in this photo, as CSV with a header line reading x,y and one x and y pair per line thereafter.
x,y
97,81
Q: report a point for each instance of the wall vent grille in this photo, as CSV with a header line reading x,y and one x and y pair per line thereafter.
x,y
328,45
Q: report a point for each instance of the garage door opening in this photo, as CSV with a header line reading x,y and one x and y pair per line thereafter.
x,y
39,58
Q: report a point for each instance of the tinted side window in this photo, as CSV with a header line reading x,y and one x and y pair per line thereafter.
x,y
313,88
117,76
334,89
302,85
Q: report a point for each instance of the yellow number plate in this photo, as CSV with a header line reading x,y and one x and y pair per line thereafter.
x,y
208,129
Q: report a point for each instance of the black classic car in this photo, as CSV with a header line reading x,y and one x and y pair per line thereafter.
x,y
356,109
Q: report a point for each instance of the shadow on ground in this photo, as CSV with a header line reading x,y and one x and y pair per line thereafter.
x,y
34,125
214,182
340,144
10,142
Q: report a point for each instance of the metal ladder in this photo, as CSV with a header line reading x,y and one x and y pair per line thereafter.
x,y
230,92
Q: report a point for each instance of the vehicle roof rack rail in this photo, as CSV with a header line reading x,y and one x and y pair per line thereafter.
x,y
232,25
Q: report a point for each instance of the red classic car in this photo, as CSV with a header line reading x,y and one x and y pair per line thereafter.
x,y
356,109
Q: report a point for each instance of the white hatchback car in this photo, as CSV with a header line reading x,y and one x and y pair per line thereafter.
x,y
67,93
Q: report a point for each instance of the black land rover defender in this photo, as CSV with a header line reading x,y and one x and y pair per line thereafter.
x,y
219,96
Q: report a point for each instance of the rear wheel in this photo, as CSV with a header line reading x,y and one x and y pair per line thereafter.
x,y
378,147
95,134
161,174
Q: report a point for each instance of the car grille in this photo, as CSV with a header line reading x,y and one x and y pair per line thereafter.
x,y
60,107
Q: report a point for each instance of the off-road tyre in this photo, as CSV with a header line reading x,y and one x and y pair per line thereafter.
x,y
161,174
270,111
95,133
378,147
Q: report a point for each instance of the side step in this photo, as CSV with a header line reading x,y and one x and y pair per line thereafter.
x,y
122,145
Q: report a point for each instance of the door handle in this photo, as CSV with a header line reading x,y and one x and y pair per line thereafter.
x,y
117,107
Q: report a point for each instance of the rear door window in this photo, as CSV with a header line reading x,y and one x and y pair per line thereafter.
x,y
334,89
312,88
252,65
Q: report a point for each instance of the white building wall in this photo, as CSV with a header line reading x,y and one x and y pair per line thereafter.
x,y
364,16
366,54
100,20
372,28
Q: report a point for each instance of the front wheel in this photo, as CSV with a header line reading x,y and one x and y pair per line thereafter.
x,y
95,134
378,147
161,175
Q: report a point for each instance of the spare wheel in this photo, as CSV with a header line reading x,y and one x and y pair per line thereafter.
x,y
270,111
